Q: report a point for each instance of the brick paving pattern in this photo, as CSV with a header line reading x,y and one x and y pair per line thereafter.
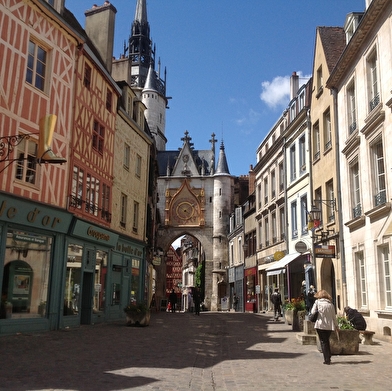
x,y
181,351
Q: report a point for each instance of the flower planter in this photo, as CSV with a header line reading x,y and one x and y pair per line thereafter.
x,y
289,316
347,343
295,318
138,318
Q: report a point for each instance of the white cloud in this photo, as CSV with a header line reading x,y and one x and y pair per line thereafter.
x,y
276,93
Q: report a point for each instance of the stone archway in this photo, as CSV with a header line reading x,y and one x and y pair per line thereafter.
x,y
166,236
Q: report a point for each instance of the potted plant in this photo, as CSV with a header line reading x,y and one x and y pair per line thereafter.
x,y
137,314
294,310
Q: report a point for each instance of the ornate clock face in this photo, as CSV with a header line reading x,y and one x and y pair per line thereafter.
x,y
185,210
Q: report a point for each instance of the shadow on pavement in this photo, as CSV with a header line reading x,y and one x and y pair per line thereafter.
x,y
91,358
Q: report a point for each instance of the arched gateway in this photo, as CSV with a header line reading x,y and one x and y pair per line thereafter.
x,y
196,198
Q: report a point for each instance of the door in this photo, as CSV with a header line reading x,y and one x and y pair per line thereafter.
x,y
87,298
88,287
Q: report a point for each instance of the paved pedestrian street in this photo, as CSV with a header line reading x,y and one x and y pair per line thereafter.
x,y
181,351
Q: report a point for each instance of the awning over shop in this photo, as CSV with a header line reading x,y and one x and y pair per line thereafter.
x,y
276,267
266,265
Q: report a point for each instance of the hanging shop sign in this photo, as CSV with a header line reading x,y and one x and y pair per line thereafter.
x,y
324,251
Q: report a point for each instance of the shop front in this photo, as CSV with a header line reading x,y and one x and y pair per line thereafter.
x,y
31,261
250,287
128,271
287,274
88,289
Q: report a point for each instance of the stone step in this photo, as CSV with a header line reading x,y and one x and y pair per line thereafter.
x,y
306,339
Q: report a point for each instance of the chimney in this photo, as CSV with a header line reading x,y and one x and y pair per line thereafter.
x,y
252,180
294,85
99,27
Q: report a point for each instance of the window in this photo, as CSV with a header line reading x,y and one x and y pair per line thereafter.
x,y
387,276
266,232
373,90
265,191
98,136
294,222
26,169
109,99
129,105
316,141
302,154
319,81
330,197
26,274
318,204
274,230
36,65
281,177
379,173
282,223
92,195
361,270
77,188
351,108
301,100
273,184
327,130
124,203
293,168
355,190
304,215
292,112
135,216
127,156
260,235
87,76
259,195
138,171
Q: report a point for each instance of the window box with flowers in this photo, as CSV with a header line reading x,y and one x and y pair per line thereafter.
x,y
137,314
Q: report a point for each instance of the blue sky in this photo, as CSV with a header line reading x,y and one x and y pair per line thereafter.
x,y
228,63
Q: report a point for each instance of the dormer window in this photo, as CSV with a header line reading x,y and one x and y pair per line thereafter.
x,y
352,22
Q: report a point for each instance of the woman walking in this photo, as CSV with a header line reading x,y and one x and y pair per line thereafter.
x,y
326,322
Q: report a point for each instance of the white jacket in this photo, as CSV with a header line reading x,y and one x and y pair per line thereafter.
x,y
327,317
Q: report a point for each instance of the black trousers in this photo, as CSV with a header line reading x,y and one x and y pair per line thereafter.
x,y
324,341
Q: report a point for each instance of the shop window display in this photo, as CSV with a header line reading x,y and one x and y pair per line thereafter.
x,y
101,265
73,280
24,288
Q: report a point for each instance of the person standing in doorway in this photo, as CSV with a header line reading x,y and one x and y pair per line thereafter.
x,y
276,299
173,300
325,323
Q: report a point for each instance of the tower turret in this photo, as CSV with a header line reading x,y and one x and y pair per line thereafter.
x,y
144,78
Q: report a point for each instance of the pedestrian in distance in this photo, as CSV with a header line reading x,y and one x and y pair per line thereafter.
x,y
197,301
326,322
276,299
355,318
235,301
173,300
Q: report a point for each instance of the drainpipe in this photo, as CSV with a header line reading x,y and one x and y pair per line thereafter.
x,y
313,258
339,200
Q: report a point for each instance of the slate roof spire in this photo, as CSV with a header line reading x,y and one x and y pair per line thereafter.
x,y
222,167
